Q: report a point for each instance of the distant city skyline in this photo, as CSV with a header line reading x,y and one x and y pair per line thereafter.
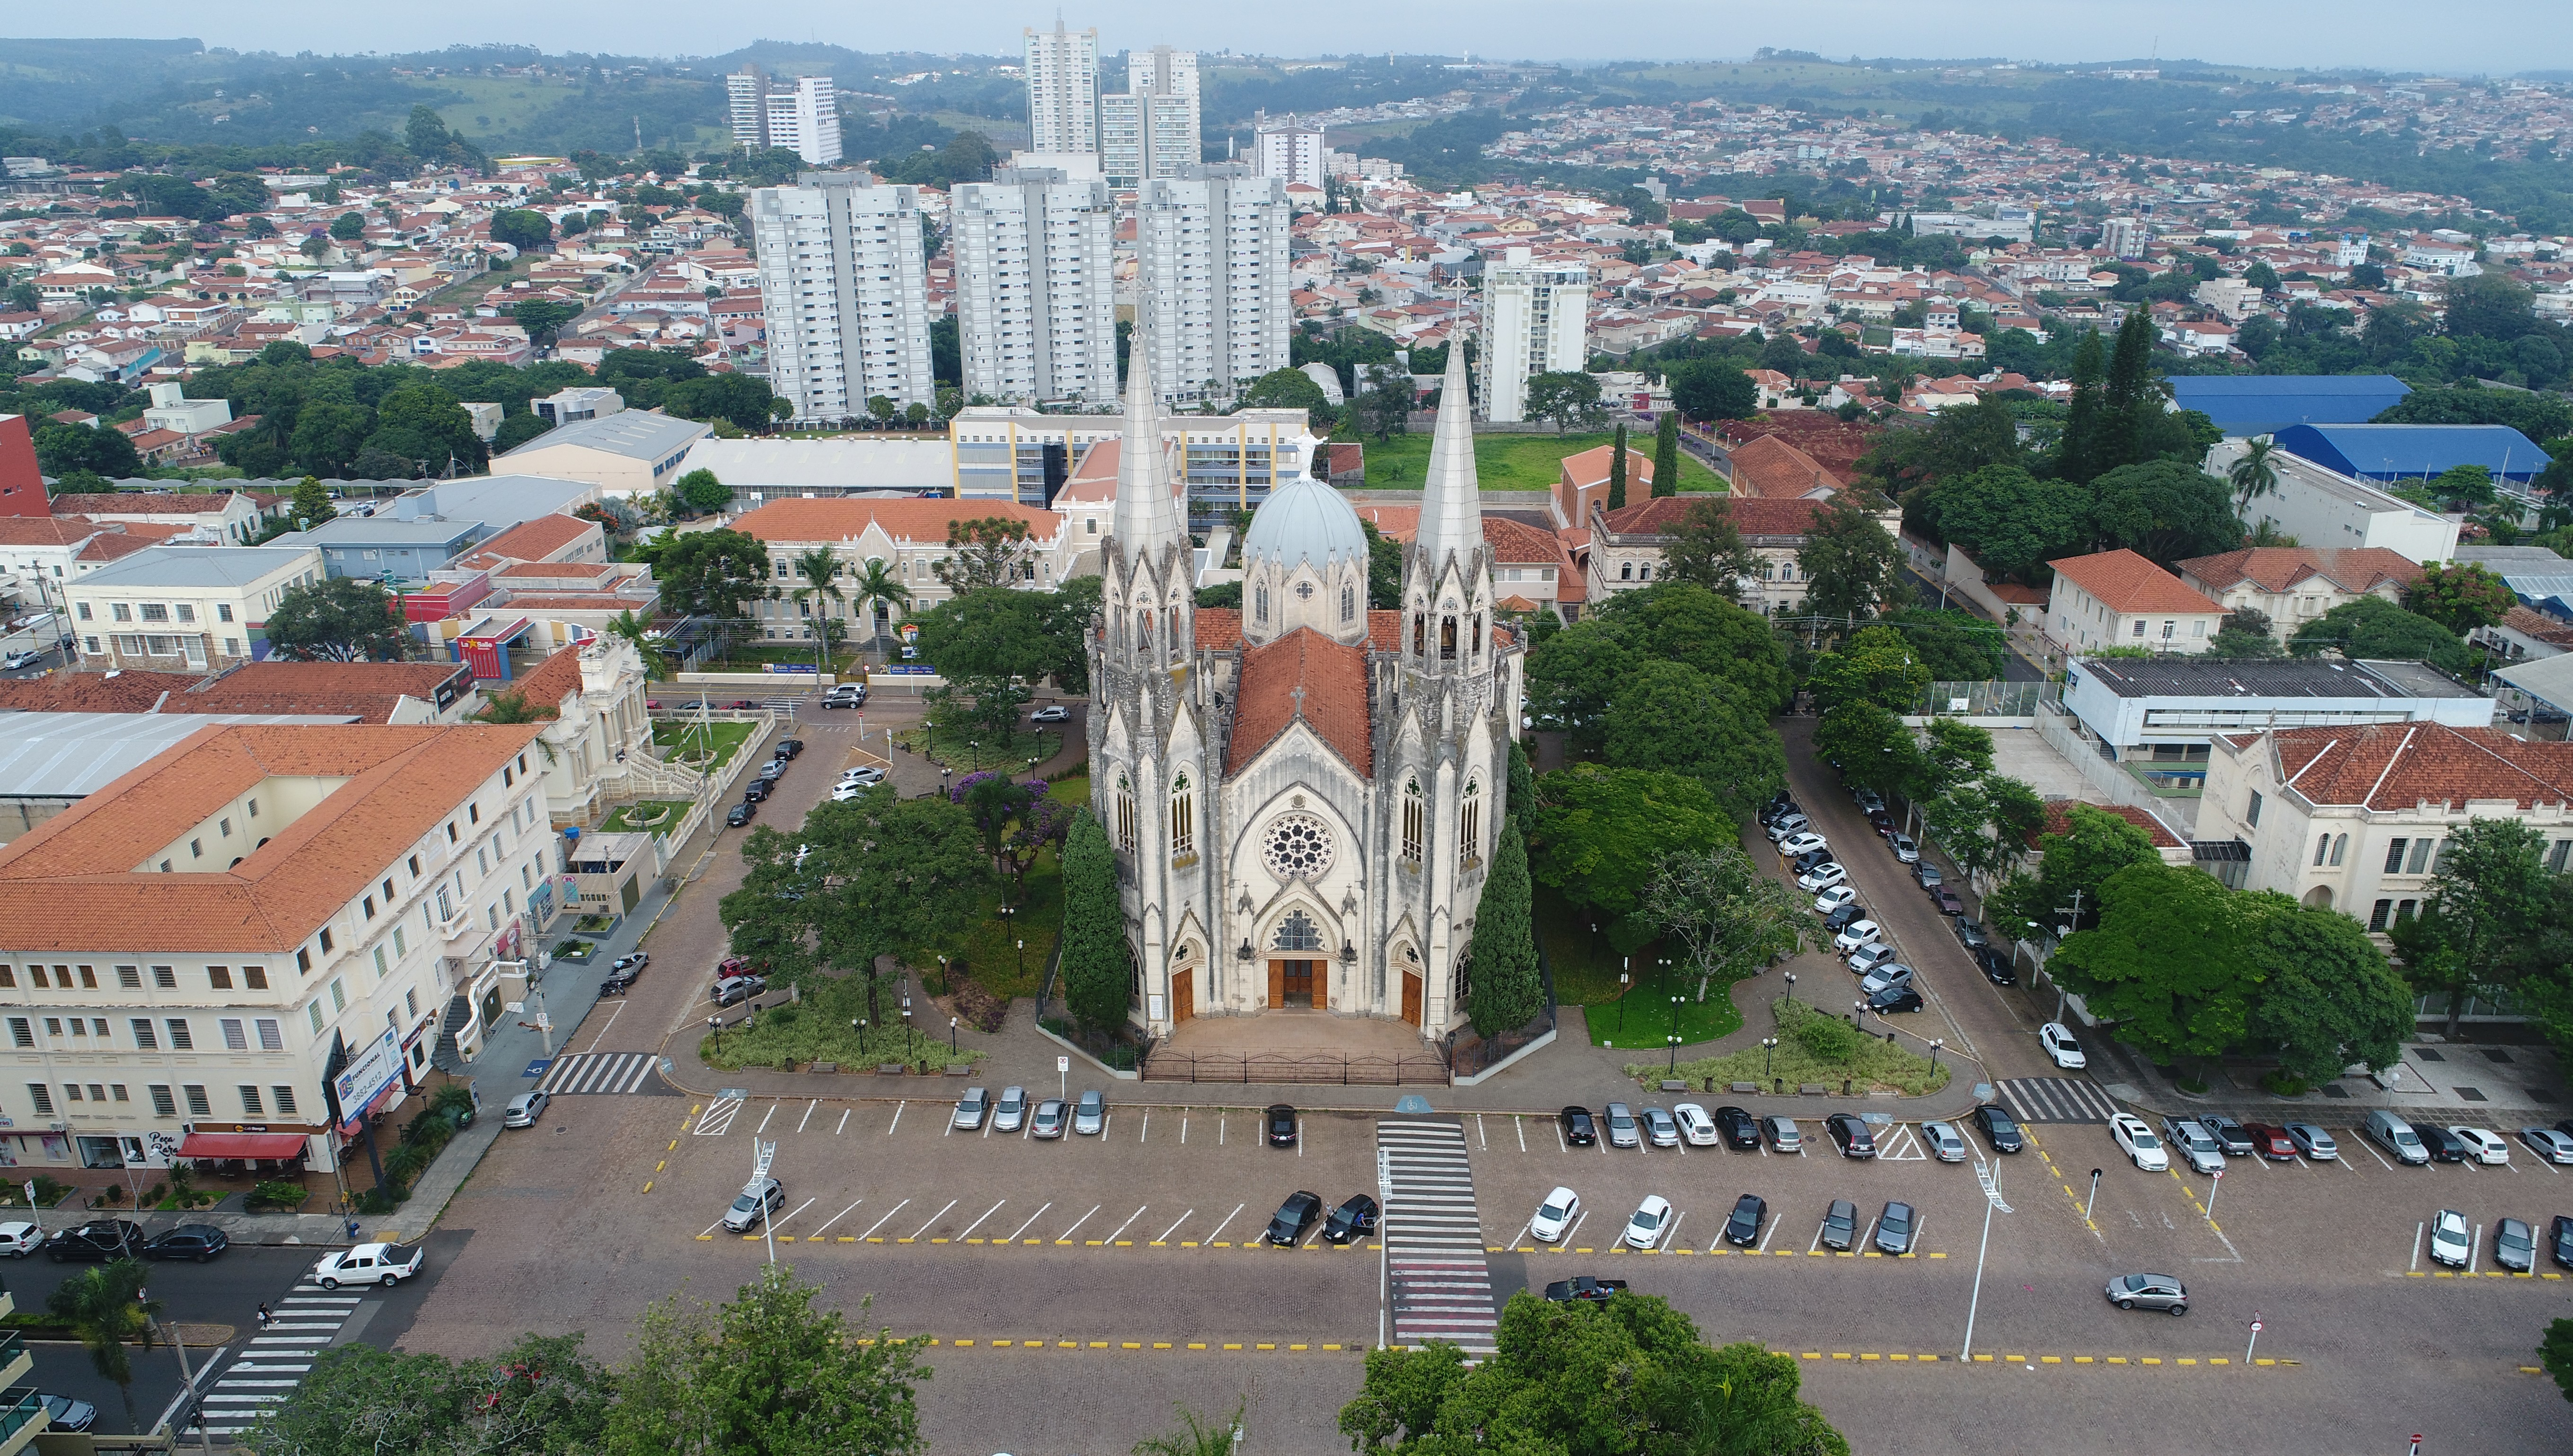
x,y
2507,37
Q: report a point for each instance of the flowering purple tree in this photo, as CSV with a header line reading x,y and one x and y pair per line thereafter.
x,y
1015,820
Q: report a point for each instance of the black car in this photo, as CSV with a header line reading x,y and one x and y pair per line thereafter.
x,y
741,813
1895,999
2559,1241
2442,1145
1279,1124
1894,1229
1740,1128
1970,932
1997,968
1840,1224
1839,920
788,748
1583,1289
2228,1134
1351,1220
619,981
1295,1216
1580,1130
100,1238
199,1241
1999,1128
756,791
1810,858
1849,1133
1749,1211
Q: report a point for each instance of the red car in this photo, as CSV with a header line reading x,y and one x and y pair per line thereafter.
x,y
745,705
1947,901
2270,1142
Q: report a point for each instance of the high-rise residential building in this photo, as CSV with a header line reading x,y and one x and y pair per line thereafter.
x,y
746,106
1295,153
806,120
1535,321
1211,263
1035,295
2124,238
1151,128
1063,89
845,289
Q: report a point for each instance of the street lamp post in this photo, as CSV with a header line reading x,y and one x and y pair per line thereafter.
x,y
1768,1055
950,1035
1019,955
714,1028
1935,1043
188,1380
1988,1175
1791,988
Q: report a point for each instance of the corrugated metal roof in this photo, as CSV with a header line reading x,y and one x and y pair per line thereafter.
x,y
2245,404
69,755
2398,451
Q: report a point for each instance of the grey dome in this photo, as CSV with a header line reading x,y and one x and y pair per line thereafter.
x,y
1305,521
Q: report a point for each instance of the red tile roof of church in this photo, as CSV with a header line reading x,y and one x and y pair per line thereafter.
x,y
1304,675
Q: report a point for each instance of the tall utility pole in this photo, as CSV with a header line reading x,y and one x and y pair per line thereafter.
x,y
1383,1240
762,1156
1988,1175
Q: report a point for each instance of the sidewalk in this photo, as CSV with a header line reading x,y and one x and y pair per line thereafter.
x,y
2461,1083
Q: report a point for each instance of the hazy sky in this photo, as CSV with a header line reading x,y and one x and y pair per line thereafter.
x,y
2496,36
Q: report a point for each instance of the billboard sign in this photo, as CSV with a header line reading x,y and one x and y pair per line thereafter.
x,y
365,1078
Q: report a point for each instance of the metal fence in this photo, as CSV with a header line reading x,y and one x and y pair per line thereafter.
x,y
1112,1049
1482,1054
1162,1064
1996,699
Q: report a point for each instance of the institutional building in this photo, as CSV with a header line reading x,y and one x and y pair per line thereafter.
x,y
174,608
1535,321
1211,267
845,291
1035,288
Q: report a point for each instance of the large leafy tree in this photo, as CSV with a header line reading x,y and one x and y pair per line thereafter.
x,y
1878,664
2169,963
1568,397
702,491
2164,510
1987,824
336,620
1674,718
1955,646
1959,443
1601,832
1631,1376
1706,549
1096,963
2377,629
425,423
2010,522
521,228
539,1395
2328,998
1575,673
2092,845
2460,597
1728,919
1712,389
985,551
62,449
712,573
2489,894
1848,560
1871,746
1290,388
1503,988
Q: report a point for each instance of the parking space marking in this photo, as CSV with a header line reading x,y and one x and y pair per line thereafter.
x,y
1481,1141
1674,1237
879,1223
1065,1235
834,1219
1566,1241
808,1114
1184,1129
1521,1125
716,1121
933,1222
763,1119
789,1216
1032,1218
1146,1134
1299,1135
976,1223
1770,1234
2417,1230
1130,1218
1522,1233
1219,1229
1174,1228
844,1121
1559,1144
1906,1147
2474,1250
897,1118
1219,1130
2371,1151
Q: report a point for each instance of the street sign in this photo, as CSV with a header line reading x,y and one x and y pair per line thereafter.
x,y
2255,1326
1061,1064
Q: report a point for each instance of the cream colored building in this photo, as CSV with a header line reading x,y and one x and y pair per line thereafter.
x,y
2119,599
909,535
600,737
184,607
192,942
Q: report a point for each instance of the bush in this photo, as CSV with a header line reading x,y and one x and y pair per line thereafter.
x,y
377,1202
1827,1038
278,1193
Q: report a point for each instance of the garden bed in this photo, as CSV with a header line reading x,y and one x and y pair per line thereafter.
x,y
1813,1048
818,1028
646,814
704,746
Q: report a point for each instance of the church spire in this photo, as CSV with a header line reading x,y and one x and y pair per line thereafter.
x,y
1452,509
1146,521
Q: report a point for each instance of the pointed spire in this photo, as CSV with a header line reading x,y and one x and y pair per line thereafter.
x,y
1451,508
1146,519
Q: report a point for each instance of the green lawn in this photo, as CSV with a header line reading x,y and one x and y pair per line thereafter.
x,y
646,814
1815,1048
682,735
1512,462
966,755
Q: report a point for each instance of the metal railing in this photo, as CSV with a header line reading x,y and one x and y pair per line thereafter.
x,y
19,1405
1306,1068
1478,1056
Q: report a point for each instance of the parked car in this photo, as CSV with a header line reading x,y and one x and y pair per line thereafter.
x,y
1880,821
1010,1114
2271,1141
1849,1131
1555,1216
1947,903
22,659
1906,849
1580,1130
1779,803
64,1413
1942,1142
1840,1226
745,705
100,1238
789,748
1650,1221
1969,933
757,791
198,1241
1301,1211
1695,1125
774,770
1583,1289
1749,1213
390,1263
1837,898
2549,1144
1868,958
2451,1241
739,989
846,695
1997,968
1050,1114
1621,1126
1739,1130
1279,1125
1090,1114
1050,713
633,962
2148,1291
1810,859
970,1110
2514,1245
1845,917
1927,875
1999,1128
2559,1241
1896,1228
1660,1129
1884,977
2195,1146
849,793
1869,801
2313,1141
2139,1142
524,1109
1354,1218
1782,1135
2442,1145
19,1239
2482,1144
617,983
1800,843
1787,829
743,812
865,775
2061,1046
1822,876
2228,1134
1857,934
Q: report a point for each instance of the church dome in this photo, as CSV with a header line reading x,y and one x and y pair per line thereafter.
x,y
1305,521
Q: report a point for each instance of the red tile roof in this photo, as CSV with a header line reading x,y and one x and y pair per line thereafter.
x,y
1590,468
1770,468
1753,516
2126,583
1308,676
2277,568
2059,818
2395,766
528,540
551,681
1219,629
368,691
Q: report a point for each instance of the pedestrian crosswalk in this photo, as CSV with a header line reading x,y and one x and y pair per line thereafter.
x,y
276,1359
1433,1238
2056,1100
578,1072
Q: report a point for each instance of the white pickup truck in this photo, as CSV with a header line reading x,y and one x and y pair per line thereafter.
x,y
369,1263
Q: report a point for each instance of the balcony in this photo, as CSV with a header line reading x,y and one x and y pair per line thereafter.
x,y
15,1361
22,1418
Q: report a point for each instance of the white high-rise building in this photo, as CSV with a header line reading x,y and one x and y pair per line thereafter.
x,y
1535,321
1063,89
1036,289
747,107
1151,128
846,292
1292,152
1211,262
806,120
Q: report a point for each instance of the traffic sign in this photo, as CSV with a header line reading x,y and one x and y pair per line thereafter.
x,y
2255,1326
1061,1064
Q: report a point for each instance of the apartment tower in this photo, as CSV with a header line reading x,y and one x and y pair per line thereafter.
x,y
1535,321
844,286
1036,298
1150,129
1210,253
1063,89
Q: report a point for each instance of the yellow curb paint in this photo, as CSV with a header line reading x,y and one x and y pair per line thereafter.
x,y
2418,1274
2213,1361
2117,1359
1843,1255
1131,1345
1982,1360
1584,1250
848,1238
1188,1243
790,1238
1299,1347
1032,1240
1331,1347
1160,1344
703,1238
1232,1347
2188,1362
2152,1360
879,1238
1926,1359
1157,1243
647,1185
906,1240
2265,1360
1871,1357
2050,1359
1813,1355
2081,1360
1000,1344
1267,1347
1872,1253
1841,1356
2016,1359
1938,1256
1099,1344
1223,1243
664,1163
1898,1357
1196,1346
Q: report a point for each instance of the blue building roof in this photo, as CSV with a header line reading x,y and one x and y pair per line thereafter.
x,y
2415,451
2245,404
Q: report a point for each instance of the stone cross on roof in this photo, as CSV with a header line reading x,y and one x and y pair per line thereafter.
x,y
1298,693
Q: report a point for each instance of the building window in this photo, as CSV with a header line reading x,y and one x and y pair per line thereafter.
x,y
22,1034
43,1097
2251,815
2140,631
2323,846
2555,858
271,1038
339,996
199,1104
234,1038
1447,639
2340,846
1349,603
129,978
1298,933
1414,817
165,977
254,976
144,1038
163,1103
1184,818
89,978
219,977
252,1106
180,1040
1470,826
315,1011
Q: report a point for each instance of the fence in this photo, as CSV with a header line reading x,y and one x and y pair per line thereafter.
x,y
1306,1068
1996,699
1484,1053
1112,1050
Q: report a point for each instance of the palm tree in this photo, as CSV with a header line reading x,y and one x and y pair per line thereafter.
x,y
2254,475
876,589
634,629
513,707
1198,1435
819,570
106,1308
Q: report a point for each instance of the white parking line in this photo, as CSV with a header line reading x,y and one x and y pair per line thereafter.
x,y
2372,1153
1184,1129
844,1121
1524,1226
1227,1219
1146,1134
1077,1222
2417,1230
1671,1236
1219,1130
611,1021
834,1219
1868,1239
1130,1218
1818,1239
1175,1227
897,1118
808,1114
1569,1233
709,1228
976,1223
763,1119
1559,1144
1770,1234
1106,1122
933,1219
889,1212
1300,1135
1032,1218
798,1208
1920,1221
2474,1250
1521,1125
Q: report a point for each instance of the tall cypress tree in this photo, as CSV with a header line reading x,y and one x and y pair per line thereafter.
x,y
2076,455
2130,394
1666,454
1617,470
1094,927
1503,988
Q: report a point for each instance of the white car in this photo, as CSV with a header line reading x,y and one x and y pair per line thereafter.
x,y
1652,1220
20,1239
2482,1144
2549,1144
2139,1142
1867,958
1695,1124
2451,1241
847,792
1942,1142
1834,898
1052,713
369,1263
1860,933
2064,1051
863,774
1555,1216
1801,844
1821,876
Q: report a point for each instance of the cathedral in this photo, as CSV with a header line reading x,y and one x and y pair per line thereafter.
x,y
1303,793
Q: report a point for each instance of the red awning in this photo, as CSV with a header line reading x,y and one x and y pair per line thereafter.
x,y
242,1144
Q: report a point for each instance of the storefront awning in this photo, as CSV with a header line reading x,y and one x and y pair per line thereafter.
x,y
242,1144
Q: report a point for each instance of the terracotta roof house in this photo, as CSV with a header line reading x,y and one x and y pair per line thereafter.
x,y
1581,481
1769,466
2119,599
2293,585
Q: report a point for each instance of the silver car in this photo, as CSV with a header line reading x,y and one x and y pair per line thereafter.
x,y
971,1109
1942,1142
757,1202
1621,1126
2195,1144
1661,1127
524,1109
1090,1114
1884,977
2148,1291
1011,1112
1867,958
1049,1120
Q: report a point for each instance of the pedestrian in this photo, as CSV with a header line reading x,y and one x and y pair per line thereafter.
x,y
265,1318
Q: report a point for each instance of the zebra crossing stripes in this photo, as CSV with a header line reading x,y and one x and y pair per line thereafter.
x,y
276,1359
1433,1238
583,1073
2056,1100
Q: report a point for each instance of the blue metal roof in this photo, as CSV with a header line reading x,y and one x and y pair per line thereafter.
x,y
2415,451
2245,404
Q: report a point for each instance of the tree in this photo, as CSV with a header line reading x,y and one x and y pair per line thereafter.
x,y
771,1372
1097,965
1954,646
2092,845
992,632
1878,664
1601,832
540,1395
2132,397
1503,988
985,551
1198,1436
880,593
2555,1352
104,1307
424,422
1679,621
1706,549
1958,441
1567,398
543,318
521,228
2460,597
2079,452
1666,454
517,429
2169,963
2328,1000
817,573
1872,747
2164,510
2253,475
639,631
62,449
1728,919
329,433
1630,1375
312,504
2488,895
711,573
2244,632
2010,521
1617,469
1670,717
700,490
1984,825
1713,390
349,226
338,619
1385,568
1290,388
1383,407
2375,629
